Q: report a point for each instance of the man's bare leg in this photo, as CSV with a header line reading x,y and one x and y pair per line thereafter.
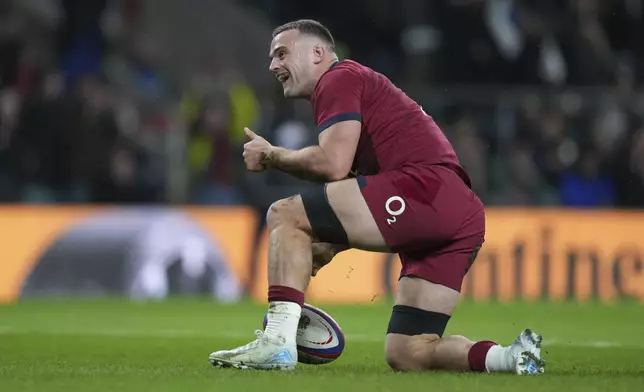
x,y
290,267
423,351
290,261
452,353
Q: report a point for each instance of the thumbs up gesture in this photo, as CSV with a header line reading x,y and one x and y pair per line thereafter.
x,y
256,152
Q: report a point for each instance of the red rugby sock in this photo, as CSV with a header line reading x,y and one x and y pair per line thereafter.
x,y
286,294
478,354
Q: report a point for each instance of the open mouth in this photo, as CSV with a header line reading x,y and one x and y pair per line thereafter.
x,y
283,77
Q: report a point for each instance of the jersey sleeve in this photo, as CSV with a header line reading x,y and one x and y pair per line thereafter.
x,y
338,98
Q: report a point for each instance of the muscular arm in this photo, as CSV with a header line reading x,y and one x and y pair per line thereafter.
x,y
310,163
331,160
336,104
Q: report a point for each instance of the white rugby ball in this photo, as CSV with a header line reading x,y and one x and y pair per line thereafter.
x,y
320,339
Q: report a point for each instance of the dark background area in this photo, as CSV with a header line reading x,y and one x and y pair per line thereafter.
x,y
144,101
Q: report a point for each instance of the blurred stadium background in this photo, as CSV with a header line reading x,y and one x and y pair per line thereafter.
x,y
137,101
121,126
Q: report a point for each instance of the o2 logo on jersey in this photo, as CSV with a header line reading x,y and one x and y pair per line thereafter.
x,y
395,206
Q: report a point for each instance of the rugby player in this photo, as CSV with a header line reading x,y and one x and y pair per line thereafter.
x,y
389,181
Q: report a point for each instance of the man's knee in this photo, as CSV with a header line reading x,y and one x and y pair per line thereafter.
x,y
410,353
285,212
400,360
412,337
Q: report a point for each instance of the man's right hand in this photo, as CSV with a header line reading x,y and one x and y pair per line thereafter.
x,y
323,253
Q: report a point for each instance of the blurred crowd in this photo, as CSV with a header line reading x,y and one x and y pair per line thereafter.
x,y
542,99
70,115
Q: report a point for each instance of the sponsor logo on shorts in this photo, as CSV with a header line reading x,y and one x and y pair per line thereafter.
x,y
395,206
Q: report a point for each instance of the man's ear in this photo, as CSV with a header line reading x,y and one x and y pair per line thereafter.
x,y
319,51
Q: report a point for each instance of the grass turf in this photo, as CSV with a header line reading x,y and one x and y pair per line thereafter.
x,y
113,345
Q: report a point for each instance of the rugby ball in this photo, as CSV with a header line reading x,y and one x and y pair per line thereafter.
x,y
320,339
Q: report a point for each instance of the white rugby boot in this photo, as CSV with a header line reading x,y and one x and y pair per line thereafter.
x,y
526,352
263,353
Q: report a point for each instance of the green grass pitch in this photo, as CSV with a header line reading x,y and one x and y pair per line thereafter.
x,y
64,345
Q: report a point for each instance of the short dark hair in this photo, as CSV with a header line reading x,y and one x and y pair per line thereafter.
x,y
307,26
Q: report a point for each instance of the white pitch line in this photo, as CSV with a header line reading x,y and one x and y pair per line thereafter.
x,y
186,333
